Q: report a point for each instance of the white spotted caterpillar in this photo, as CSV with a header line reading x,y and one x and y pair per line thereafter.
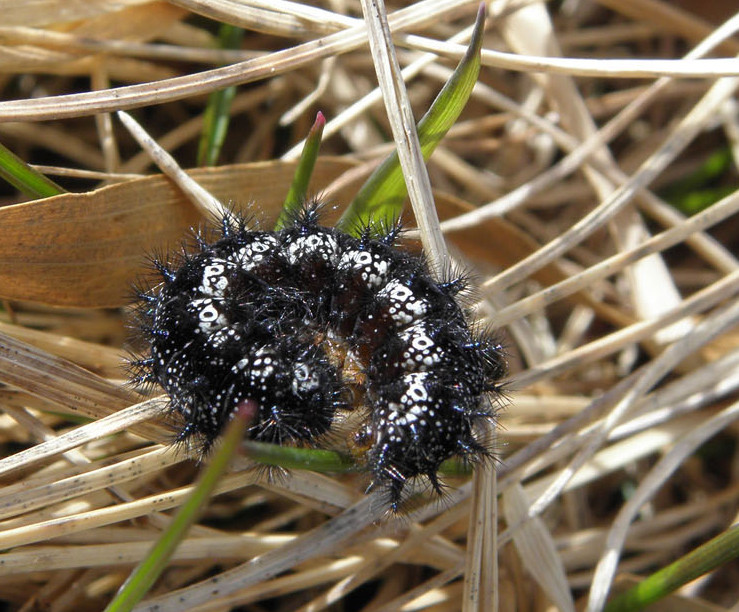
x,y
246,317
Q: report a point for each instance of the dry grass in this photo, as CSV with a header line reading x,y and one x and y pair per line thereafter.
x,y
620,441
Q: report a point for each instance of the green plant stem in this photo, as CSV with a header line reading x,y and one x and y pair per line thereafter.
x,y
299,458
299,187
218,112
705,558
24,178
146,573
381,197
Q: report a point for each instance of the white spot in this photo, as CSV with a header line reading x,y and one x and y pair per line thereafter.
x,y
403,306
210,319
422,343
321,245
214,280
417,392
304,379
240,365
252,254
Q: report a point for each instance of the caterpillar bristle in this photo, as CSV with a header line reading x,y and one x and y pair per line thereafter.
x,y
152,331
228,221
390,231
200,240
472,450
139,371
455,286
146,295
306,217
167,273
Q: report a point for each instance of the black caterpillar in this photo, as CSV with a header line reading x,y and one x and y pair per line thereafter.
x,y
257,315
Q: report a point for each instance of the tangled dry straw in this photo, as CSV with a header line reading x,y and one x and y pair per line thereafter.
x,y
558,186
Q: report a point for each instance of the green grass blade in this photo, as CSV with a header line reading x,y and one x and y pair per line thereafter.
x,y
382,196
326,461
299,187
24,178
146,573
291,458
705,186
217,113
714,553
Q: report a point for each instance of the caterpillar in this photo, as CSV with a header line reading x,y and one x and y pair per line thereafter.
x,y
257,315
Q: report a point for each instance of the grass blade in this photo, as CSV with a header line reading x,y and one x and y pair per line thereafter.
x,y
382,196
24,178
705,558
146,573
290,457
326,461
299,187
217,113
